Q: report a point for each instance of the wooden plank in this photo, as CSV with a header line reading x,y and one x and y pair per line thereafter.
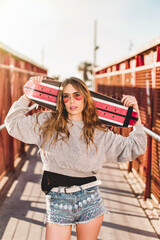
x,y
22,229
10,229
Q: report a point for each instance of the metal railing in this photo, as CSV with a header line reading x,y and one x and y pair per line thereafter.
x,y
152,134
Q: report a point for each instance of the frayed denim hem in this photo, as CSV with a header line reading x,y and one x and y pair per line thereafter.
x,y
76,223
61,224
106,212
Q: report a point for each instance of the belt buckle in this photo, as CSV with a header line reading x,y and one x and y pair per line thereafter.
x,y
65,190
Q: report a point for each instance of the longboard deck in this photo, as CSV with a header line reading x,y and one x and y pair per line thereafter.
x,y
110,111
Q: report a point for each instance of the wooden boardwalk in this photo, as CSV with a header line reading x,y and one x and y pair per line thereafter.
x,y
22,214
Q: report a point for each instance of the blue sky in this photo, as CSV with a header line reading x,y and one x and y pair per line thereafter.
x,y
63,30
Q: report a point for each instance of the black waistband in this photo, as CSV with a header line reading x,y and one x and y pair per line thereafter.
x,y
50,180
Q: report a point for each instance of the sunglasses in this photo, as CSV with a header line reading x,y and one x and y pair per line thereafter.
x,y
76,95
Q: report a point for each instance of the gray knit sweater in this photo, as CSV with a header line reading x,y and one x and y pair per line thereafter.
x,y
72,158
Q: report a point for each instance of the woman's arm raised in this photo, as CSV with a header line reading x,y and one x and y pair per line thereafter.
x,y
22,127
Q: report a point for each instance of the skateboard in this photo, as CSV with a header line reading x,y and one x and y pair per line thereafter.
x,y
111,112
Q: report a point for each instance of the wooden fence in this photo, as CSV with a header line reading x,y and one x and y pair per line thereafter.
x,y
14,72
139,75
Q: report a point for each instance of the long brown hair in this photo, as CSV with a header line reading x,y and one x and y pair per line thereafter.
x,y
57,122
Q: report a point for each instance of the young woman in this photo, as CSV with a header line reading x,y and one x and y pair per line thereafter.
x,y
73,147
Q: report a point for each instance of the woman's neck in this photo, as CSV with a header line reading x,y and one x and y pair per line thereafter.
x,y
76,118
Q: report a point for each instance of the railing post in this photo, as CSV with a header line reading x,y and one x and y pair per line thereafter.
x,y
11,140
12,168
147,190
129,167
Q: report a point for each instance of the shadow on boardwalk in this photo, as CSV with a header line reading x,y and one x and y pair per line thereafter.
x,y
22,214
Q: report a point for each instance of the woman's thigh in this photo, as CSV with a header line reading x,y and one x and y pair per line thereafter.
x,y
90,230
58,232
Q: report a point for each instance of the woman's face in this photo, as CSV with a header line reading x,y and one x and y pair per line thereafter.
x,y
74,102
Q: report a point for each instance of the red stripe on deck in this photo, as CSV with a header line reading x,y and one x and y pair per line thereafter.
x,y
40,96
111,116
42,88
134,114
111,108
132,122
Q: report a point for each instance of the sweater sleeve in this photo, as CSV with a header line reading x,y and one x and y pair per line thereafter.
x,y
22,127
122,149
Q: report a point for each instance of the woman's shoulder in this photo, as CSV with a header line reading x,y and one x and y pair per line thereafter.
x,y
102,131
46,114
43,116
102,128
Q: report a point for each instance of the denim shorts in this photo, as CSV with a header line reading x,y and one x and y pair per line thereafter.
x,y
74,208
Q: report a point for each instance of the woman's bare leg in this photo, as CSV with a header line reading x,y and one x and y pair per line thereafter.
x,y
90,230
58,232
